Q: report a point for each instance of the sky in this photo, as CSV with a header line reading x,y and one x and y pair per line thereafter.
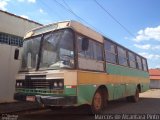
x,y
140,17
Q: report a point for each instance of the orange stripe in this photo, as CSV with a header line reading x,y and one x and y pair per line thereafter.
x,y
85,77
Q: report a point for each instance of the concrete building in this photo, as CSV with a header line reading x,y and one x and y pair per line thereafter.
x,y
12,30
154,78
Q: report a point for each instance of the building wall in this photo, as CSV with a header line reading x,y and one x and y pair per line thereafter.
x,y
15,25
8,69
154,84
11,25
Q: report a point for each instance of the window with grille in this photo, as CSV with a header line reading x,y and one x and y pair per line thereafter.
x,y
11,40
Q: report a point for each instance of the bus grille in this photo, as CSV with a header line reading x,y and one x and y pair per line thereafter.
x,y
36,84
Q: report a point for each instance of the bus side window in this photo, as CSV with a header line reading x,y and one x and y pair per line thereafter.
x,y
16,54
122,56
132,59
139,63
85,49
110,52
90,54
81,52
97,49
85,44
144,62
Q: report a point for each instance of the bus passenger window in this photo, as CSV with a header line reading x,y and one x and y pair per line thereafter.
x,y
81,52
98,51
85,50
110,52
132,59
122,56
144,62
85,44
91,58
89,51
139,63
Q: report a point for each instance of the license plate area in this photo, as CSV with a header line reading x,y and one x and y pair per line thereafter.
x,y
30,98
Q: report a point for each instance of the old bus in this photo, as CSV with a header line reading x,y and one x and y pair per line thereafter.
x,y
69,64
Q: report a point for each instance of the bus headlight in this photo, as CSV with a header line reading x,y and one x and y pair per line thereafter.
x,y
17,84
55,84
60,84
20,84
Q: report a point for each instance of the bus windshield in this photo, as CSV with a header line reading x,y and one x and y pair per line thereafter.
x,y
54,51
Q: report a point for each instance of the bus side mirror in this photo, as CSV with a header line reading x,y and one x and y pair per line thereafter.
x,y
85,44
16,54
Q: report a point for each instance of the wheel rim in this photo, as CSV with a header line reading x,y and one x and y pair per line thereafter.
x,y
97,101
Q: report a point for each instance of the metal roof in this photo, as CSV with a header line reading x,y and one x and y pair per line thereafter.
x,y
11,14
154,74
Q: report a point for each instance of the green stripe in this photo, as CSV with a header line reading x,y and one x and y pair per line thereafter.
x,y
66,91
85,94
125,71
70,91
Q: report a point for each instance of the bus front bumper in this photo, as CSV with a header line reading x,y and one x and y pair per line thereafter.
x,y
48,100
56,100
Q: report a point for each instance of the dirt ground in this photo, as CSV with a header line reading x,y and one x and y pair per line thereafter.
x,y
153,93
149,104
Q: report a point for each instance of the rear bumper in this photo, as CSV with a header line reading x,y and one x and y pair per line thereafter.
x,y
50,100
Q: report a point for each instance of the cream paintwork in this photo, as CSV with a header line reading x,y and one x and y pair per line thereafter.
x,y
80,28
69,76
86,31
20,76
63,24
78,77
90,64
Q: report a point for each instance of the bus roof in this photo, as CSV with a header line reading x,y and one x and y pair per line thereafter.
x,y
78,27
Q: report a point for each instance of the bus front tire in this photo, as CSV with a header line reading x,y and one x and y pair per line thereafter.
x,y
99,102
135,97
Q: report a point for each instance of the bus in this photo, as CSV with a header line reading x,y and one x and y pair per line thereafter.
x,y
68,64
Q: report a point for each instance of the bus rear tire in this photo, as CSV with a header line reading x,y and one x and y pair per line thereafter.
x,y
99,102
135,97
